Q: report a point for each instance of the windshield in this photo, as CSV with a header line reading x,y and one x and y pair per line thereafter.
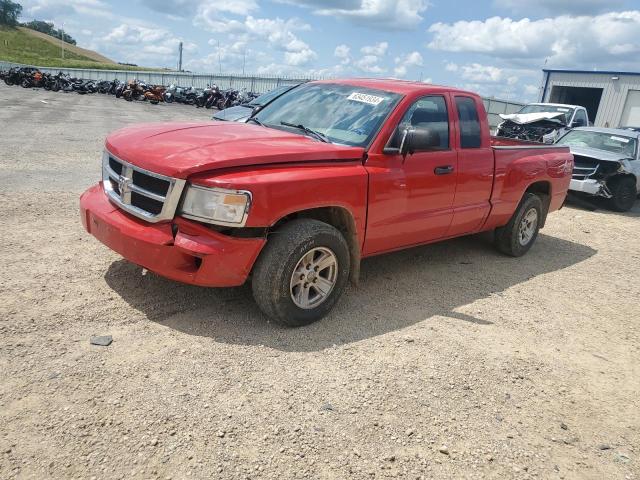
x,y
345,114
265,98
568,112
602,141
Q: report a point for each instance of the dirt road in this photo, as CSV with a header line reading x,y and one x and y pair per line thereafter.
x,y
448,361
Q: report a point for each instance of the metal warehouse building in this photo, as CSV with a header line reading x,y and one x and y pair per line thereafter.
x,y
611,98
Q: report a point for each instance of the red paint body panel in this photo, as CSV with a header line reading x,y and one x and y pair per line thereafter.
x,y
283,190
182,149
223,261
395,202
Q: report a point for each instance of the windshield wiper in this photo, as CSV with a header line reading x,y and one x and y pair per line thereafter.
x,y
253,119
320,136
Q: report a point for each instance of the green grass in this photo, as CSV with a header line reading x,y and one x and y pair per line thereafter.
x,y
20,47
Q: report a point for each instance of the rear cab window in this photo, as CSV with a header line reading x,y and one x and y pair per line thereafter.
x,y
470,128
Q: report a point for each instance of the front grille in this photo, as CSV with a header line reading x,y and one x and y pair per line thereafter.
x,y
584,168
159,186
147,195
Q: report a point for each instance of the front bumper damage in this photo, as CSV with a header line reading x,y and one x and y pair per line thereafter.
x,y
590,186
180,250
592,175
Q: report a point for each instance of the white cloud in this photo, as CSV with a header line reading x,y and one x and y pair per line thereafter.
x,y
300,57
189,8
404,62
369,64
531,90
342,51
607,40
384,14
482,73
451,67
50,9
143,44
556,7
277,32
378,50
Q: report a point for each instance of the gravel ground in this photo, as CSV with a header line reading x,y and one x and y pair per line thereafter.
x,y
448,361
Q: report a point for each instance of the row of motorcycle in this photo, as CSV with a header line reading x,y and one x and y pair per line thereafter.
x,y
209,97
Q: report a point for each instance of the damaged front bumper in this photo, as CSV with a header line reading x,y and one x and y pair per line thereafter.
x,y
591,187
180,250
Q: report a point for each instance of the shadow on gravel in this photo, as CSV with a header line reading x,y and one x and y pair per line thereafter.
x,y
396,291
593,204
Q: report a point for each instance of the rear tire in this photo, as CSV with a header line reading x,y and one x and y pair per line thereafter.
x,y
518,236
624,194
301,272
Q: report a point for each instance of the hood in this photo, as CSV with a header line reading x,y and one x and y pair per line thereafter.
x,y
181,149
598,154
526,118
234,114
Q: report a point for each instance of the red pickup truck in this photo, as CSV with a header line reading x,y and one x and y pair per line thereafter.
x,y
330,173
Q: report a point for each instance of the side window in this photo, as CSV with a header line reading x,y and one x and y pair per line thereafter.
x,y
469,123
428,112
580,120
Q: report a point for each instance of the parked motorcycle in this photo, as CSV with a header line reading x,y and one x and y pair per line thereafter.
x,y
155,94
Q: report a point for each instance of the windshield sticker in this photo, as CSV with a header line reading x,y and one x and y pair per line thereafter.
x,y
620,139
365,98
564,109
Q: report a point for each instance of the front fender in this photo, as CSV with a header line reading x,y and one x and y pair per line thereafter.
x,y
279,191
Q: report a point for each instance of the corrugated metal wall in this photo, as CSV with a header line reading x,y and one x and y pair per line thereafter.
x,y
258,84
495,107
614,94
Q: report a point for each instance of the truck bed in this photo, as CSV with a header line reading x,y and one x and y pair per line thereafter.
x,y
517,164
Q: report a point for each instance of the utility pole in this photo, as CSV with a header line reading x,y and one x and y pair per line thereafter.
x,y
62,39
180,57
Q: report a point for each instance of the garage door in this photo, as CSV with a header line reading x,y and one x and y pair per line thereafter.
x,y
631,112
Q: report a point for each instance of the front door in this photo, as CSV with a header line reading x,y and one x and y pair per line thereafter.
x,y
411,197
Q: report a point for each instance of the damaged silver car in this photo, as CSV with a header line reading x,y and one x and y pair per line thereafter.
x,y
542,122
607,164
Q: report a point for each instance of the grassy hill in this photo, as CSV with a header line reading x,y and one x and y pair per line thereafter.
x,y
23,45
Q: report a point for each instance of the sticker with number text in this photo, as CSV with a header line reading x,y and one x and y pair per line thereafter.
x,y
365,98
620,139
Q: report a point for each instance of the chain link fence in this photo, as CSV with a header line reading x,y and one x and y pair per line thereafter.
x,y
252,83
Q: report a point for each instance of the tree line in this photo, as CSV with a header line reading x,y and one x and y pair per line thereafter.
x,y
10,12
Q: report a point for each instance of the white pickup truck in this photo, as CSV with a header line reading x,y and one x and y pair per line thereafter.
x,y
542,122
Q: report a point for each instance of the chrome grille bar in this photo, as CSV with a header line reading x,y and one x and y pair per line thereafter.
x,y
122,195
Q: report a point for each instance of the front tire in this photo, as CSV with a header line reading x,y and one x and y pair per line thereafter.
x,y
301,272
518,236
624,194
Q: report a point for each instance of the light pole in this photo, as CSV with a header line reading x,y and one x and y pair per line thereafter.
x,y
62,39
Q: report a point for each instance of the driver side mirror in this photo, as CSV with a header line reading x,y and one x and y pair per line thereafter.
x,y
419,140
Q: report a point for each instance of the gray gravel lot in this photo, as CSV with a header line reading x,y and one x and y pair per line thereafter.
x,y
448,361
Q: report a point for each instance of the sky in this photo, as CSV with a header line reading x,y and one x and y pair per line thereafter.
x,y
494,47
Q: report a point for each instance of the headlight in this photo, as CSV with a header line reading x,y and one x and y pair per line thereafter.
x,y
216,205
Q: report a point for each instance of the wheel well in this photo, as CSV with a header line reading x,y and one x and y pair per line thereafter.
x,y
341,219
620,176
542,190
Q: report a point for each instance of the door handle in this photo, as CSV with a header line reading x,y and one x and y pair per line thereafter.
x,y
443,170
